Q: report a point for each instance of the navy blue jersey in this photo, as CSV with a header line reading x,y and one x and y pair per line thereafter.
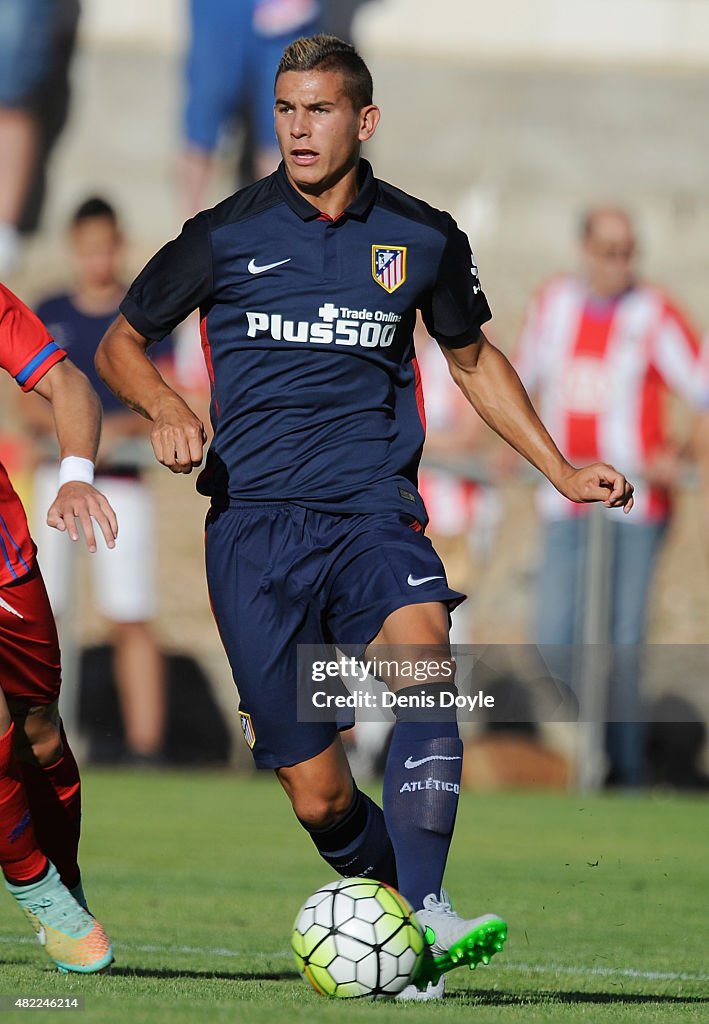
x,y
307,328
80,335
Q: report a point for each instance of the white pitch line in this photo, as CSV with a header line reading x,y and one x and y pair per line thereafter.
x,y
508,965
603,972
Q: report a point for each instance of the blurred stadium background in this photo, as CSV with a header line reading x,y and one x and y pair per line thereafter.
x,y
515,116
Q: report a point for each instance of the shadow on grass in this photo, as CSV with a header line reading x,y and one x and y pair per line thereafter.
x,y
474,997
541,998
158,972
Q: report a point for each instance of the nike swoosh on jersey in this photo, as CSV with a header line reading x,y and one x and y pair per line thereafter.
x,y
253,267
413,582
410,763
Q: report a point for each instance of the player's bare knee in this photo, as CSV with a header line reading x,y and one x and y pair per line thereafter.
x,y
321,810
38,737
48,749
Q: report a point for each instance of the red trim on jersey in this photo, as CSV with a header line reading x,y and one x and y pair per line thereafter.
x,y
207,350
420,403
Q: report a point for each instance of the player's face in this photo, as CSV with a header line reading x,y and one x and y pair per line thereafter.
x,y
97,248
318,130
609,254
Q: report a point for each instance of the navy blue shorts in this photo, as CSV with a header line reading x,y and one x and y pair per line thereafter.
x,y
280,575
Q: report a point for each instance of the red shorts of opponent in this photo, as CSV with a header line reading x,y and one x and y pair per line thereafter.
x,y
30,669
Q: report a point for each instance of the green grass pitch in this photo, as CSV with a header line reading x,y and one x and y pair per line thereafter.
x,y
199,877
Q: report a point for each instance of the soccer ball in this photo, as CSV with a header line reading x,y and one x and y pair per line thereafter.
x,y
357,937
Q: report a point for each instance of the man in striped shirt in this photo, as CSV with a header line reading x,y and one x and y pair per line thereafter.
x,y
602,351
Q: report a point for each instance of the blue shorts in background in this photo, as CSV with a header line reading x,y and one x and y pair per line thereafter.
x,y
231,64
280,575
26,34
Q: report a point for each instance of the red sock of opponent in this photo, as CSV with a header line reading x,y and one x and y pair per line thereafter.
x,y
21,858
54,796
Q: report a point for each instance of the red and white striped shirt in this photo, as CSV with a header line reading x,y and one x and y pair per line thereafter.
x,y
601,370
450,502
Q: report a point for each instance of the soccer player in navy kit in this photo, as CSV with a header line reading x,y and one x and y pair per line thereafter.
x,y
308,284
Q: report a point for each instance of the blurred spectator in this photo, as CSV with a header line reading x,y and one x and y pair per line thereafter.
x,y
338,16
125,581
602,350
462,514
234,49
51,107
36,43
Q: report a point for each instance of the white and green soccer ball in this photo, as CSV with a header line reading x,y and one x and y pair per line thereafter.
x,y
357,937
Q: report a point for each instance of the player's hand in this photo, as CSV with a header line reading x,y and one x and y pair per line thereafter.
x,y
178,436
598,482
77,500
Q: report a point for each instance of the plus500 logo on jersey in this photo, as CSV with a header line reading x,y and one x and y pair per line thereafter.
x,y
339,325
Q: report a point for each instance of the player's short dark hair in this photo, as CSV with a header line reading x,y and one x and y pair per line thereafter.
x,y
94,206
328,53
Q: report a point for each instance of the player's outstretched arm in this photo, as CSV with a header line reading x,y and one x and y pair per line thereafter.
x,y
77,420
488,380
177,436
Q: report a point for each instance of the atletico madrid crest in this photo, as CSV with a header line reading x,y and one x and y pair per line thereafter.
x,y
389,266
247,726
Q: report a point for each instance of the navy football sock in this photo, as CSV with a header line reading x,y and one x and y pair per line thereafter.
x,y
358,844
421,789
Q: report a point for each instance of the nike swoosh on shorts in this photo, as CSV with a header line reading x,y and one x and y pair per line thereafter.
x,y
413,582
9,608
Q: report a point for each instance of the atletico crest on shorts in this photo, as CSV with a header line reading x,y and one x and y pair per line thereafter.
x,y
389,266
247,726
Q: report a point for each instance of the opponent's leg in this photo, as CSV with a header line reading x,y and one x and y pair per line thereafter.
x,y
53,785
21,858
346,826
72,938
29,668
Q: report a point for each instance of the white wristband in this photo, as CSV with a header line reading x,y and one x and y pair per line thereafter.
x,y
75,468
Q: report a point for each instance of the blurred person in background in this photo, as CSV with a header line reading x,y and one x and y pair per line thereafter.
x,y
602,351
40,787
462,514
36,43
339,16
234,49
125,580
